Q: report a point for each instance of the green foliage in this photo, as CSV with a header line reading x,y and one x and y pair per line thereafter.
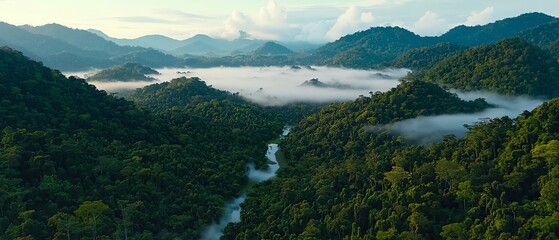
x,y
493,32
543,35
272,48
367,48
125,72
499,182
425,57
511,67
347,179
78,163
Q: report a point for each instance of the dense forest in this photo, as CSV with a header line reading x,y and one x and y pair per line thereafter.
x,y
511,67
126,73
78,163
348,178
424,57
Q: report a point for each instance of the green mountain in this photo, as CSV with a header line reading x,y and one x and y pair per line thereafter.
x,y
366,48
333,184
53,52
493,32
344,182
149,57
424,57
79,38
543,35
78,163
383,44
127,72
69,49
272,48
511,67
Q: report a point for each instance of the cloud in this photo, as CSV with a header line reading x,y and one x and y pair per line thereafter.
x,y
271,15
182,15
430,24
352,20
479,18
142,19
426,130
278,85
268,23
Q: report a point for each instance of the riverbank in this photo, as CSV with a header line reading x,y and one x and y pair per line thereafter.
x,y
232,209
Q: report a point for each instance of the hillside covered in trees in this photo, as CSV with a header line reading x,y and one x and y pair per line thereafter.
x,y
424,57
511,67
78,163
127,72
347,179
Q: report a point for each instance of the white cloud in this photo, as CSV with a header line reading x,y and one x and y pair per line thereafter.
x,y
271,15
480,18
430,24
314,31
268,23
354,19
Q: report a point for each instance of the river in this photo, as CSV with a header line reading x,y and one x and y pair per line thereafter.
x,y
232,209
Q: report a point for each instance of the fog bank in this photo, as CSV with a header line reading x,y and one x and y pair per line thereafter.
x,y
426,130
277,85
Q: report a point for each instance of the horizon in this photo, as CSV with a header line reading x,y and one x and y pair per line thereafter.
x,y
276,20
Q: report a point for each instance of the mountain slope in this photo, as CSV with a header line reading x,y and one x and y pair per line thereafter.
x,y
70,153
125,72
366,48
272,48
79,38
53,52
543,35
425,57
336,160
511,67
493,32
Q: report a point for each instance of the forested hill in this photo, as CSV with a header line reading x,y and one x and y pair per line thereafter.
x,y
369,47
493,32
335,162
511,67
377,45
345,180
424,57
127,72
77,163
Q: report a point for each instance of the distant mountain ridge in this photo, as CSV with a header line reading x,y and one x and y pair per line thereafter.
x,y
272,48
493,32
383,44
68,49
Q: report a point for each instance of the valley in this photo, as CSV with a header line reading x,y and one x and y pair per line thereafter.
x,y
381,133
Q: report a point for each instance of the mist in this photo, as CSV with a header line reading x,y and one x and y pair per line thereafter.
x,y
426,130
272,86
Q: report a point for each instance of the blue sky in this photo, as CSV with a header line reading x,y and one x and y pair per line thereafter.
x,y
291,20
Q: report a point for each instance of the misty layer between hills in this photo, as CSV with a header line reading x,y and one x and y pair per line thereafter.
x,y
426,130
272,86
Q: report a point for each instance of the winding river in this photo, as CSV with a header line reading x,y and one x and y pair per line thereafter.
x,y
232,211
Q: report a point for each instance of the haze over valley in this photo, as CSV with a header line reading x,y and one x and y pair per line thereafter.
x,y
360,119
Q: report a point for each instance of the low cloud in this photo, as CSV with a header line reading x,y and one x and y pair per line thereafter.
x,y
426,130
278,85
